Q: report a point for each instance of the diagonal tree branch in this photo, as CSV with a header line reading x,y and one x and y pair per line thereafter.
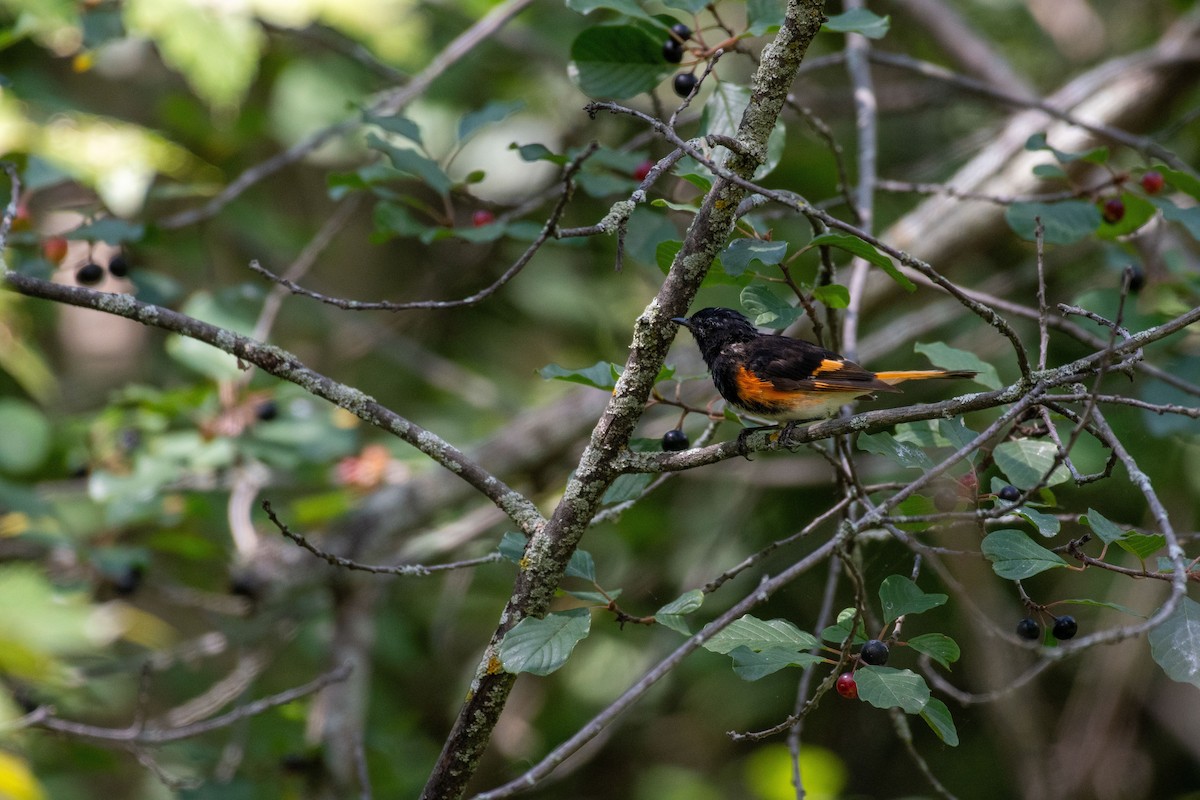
x,y
551,546
282,364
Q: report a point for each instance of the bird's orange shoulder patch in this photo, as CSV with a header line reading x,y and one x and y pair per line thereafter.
x,y
754,390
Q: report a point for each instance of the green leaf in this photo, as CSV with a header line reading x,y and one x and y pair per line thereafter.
x,y
582,565
938,717
833,295
672,615
690,6
27,437
686,603
1138,211
397,124
1026,461
617,61
1062,223
722,115
740,252
886,687
627,487
203,358
216,49
899,596
1087,601
757,634
1107,530
1175,644
764,16
494,111
1097,155
938,646
750,665
767,309
859,20
1047,525
1142,545
596,598
540,646
629,8
1015,556
410,162
1189,218
838,633
538,152
512,546
1183,181
1049,171
601,375
110,230
886,445
865,250
946,357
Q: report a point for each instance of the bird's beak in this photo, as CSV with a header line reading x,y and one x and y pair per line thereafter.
x,y
684,321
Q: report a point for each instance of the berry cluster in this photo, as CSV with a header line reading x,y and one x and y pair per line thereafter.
x,y
1065,627
92,273
672,51
1113,210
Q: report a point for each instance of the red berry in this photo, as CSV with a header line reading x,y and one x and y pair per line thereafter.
x,y
1114,211
482,217
642,170
1153,182
846,686
54,249
23,220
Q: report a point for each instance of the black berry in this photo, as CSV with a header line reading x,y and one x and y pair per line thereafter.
x,y
846,686
1029,629
672,51
684,32
1065,627
1137,280
89,274
267,410
946,499
1114,211
874,653
119,267
684,83
1010,494
127,581
675,440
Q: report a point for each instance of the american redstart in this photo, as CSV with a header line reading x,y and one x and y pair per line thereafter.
x,y
783,379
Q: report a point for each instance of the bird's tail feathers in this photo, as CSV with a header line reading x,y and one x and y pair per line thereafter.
x,y
899,376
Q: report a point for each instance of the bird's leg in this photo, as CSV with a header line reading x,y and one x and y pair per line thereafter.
x,y
741,440
791,426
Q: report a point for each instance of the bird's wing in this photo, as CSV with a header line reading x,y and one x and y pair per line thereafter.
x,y
793,365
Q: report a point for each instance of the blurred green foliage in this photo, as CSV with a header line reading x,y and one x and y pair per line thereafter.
x,y
120,448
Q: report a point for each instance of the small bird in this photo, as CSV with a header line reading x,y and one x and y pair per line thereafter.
x,y
783,379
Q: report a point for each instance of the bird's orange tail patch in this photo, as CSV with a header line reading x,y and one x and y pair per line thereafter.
x,y
900,376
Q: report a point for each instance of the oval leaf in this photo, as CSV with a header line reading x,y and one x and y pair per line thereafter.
x,y
899,596
617,61
885,687
758,635
1175,645
1015,556
540,646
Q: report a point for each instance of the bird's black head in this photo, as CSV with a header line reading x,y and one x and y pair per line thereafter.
x,y
714,328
